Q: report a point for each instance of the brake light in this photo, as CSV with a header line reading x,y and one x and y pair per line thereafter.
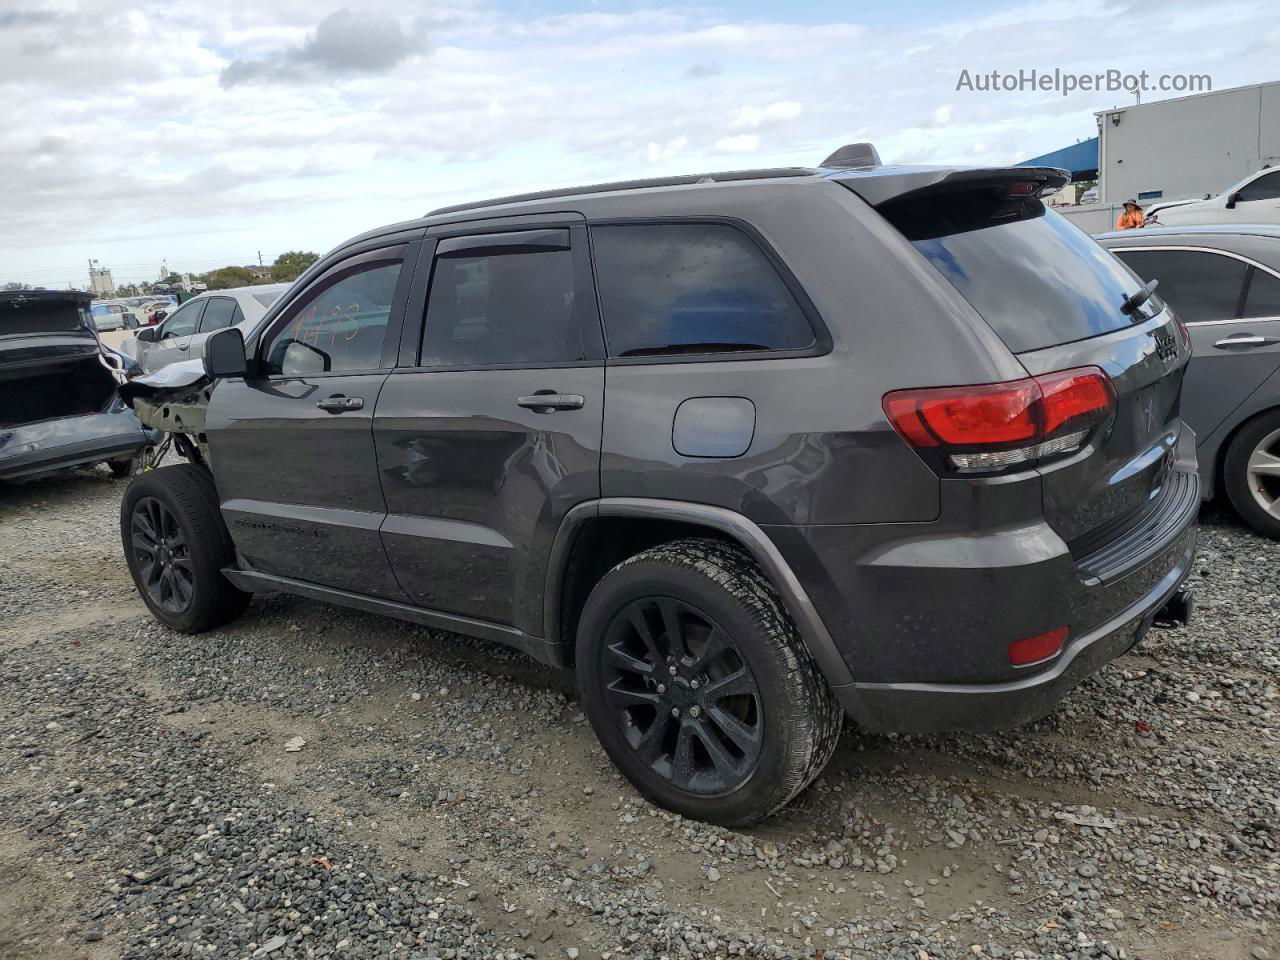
x,y
1031,650
999,425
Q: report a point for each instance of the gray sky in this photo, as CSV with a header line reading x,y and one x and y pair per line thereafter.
x,y
204,132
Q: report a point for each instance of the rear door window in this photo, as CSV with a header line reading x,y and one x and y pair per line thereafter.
x,y
502,308
1199,285
1263,299
1036,278
219,313
685,288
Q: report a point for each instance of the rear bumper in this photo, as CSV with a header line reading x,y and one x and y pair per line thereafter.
x,y
936,707
923,615
36,449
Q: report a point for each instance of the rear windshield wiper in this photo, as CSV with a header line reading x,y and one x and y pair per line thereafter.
x,y
1133,302
717,347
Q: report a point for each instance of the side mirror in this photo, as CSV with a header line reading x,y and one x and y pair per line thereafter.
x,y
147,334
224,354
1233,200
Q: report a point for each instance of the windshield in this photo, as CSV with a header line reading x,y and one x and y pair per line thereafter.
x,y
1037,279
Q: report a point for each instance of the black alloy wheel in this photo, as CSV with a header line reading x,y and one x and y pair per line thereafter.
x,y
683,697
163,555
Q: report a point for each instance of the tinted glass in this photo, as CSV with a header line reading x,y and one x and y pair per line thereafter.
x,y
692,288
19,316
267,298
1263,299
182,322
219,313
1264,188
502,308
341,327
1037,279
1199,286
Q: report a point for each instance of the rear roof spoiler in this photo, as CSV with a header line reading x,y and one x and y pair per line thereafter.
x,y
876,186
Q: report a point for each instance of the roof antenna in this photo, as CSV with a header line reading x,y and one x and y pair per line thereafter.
x,y
854,155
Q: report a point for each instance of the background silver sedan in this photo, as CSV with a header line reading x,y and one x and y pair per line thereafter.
x,y
1223,281
182,334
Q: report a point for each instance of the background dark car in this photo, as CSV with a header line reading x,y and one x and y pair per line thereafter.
x,y
58,403
1224,283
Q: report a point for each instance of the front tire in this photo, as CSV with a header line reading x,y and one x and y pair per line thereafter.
x,y
123,468
1251,473
698,685
176,545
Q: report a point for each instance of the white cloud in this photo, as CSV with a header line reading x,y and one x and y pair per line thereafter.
x,y
742,143
658,153
145,153
756,118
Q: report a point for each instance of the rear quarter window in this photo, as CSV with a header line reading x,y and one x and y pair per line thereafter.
x,y
684,288
1037,279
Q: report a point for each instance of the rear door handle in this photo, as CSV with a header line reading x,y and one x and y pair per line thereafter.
x,y
1246,340
339,404
550,402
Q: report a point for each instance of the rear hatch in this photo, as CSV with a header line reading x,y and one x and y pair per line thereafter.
x,y
1059,302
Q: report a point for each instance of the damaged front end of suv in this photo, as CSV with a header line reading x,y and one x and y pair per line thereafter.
x,y
173,402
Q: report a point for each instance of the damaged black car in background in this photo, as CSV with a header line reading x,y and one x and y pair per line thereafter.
x,y
58,402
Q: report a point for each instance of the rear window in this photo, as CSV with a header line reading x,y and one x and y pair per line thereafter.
x,y
268,297
22,316
1037,279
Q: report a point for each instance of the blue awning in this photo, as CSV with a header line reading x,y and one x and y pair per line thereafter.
x,y
1081,159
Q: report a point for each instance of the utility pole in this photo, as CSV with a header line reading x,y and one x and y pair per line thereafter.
x,y
259,258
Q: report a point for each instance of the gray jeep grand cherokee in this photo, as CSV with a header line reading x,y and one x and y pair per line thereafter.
x,y
750,451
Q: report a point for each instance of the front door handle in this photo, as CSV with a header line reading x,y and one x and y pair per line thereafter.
x,y
550,402
1246,340
340,404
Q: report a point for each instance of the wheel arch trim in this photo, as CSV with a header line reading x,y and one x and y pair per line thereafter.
x,y
741,530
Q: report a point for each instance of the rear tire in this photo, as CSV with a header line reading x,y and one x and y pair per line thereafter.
x,y
1251,486
731,720
176,545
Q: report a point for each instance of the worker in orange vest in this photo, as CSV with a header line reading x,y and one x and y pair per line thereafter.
x,y
1132,217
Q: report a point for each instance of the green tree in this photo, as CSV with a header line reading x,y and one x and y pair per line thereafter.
x,y
227,277
173,278
289,265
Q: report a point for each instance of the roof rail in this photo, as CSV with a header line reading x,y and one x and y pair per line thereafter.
x,y
680,181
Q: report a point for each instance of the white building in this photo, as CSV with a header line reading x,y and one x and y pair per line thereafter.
x,y
1190,147
100,283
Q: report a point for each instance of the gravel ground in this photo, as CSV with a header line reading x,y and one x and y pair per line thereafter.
x,y
313,782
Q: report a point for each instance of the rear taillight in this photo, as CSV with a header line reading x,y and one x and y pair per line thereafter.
x,y
997,426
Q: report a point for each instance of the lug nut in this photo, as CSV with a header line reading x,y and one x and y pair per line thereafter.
x,y
675,711
672,669
662,688
694,684
695,711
